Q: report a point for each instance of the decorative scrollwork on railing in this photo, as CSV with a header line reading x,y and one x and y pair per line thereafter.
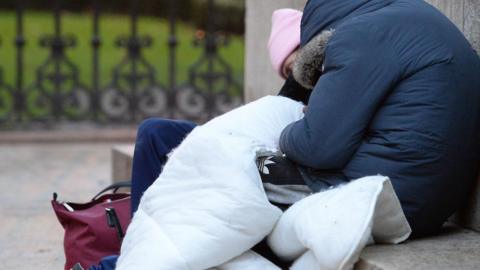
x,y
6,99
211,88
134,93
57,91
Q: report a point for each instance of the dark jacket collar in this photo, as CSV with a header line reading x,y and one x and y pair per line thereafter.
x,y
320,15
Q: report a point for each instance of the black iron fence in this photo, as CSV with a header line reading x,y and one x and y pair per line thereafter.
x,y
134,90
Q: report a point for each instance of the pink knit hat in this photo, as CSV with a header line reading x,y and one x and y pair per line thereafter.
x,y
284,37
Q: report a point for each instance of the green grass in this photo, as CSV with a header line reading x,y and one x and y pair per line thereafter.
x,y
111,26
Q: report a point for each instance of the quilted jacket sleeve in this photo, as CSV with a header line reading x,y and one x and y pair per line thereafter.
x,y
358,73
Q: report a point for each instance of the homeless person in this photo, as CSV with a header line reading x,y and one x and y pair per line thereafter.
x,y
399,95
395,99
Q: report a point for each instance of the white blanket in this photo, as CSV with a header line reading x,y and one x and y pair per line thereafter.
x,y
328,230
208,207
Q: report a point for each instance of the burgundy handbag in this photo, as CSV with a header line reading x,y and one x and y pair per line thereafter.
x,y
95,229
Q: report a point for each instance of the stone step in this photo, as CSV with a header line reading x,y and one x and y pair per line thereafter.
x,y
468,217
455,248
122,157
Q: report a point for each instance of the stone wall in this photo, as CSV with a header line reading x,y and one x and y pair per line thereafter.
x,y
260,79
466,16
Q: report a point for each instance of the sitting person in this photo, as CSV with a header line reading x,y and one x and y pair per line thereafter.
x,y
384,105
393,99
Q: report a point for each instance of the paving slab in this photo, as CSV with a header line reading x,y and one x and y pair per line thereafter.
x,y
30,235
455,248
74,134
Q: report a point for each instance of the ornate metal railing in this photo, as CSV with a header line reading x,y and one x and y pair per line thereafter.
x,y
134,91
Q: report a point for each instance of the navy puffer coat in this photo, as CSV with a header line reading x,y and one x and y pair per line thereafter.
x,y
399,95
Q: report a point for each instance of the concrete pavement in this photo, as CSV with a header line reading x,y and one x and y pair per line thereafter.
x,y
30,234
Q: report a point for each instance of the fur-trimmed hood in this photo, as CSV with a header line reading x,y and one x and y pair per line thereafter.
x,y
308,65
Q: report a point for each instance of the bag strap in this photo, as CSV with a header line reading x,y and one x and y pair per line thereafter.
x,y
114,187
114,222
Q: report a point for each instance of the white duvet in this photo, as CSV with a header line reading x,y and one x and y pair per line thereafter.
x,y
208,207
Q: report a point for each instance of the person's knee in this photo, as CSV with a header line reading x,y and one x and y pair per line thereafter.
x,y
148,126
157,128
151,138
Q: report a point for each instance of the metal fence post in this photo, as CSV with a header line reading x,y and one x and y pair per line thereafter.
x,y
172,69
96,43
134,51
57,52
19,45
